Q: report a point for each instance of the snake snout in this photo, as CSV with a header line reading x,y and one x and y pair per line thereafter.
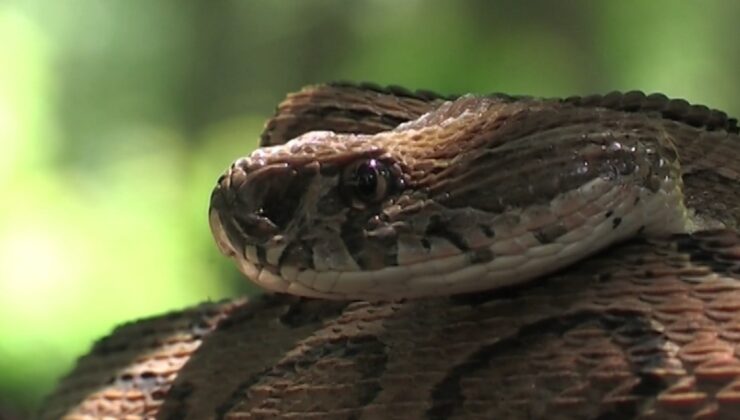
x,y
250,206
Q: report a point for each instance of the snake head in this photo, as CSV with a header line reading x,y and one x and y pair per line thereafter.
x,y
309,206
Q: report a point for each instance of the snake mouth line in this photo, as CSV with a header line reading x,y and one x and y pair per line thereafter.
x,y
372,285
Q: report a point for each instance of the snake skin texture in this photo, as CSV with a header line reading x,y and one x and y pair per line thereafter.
x,y
646,329
654,335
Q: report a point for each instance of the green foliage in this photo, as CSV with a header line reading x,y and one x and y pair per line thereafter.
x,y
117,117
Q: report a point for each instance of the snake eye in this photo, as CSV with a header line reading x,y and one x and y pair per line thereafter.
x,y
367,182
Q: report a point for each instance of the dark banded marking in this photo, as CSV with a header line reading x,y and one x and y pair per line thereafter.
x,y
488,231
481,255
616,222
550,233
448,399
438,228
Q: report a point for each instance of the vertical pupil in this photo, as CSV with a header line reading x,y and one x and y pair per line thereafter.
x,y
366,179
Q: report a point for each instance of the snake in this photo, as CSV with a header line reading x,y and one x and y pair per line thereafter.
x,y
443,196
438,257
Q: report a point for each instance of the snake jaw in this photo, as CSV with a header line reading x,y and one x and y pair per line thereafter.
x,y
270,212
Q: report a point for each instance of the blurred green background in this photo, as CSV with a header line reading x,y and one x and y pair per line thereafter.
x,y
117,117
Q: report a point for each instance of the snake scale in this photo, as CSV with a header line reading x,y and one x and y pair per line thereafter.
x,y
648,327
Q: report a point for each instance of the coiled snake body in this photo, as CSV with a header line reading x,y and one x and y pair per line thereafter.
x,y
495,209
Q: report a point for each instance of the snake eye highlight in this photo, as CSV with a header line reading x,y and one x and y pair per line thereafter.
x,y
367,182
